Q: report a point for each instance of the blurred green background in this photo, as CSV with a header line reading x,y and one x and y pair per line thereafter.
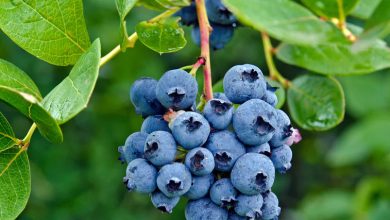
x,y
339,174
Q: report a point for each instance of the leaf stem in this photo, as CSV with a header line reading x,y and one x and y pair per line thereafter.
x,y
27,138
273,71
341,14
134,37
205,30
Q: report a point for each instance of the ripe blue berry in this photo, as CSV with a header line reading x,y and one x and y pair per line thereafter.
x,y
163,203
249,206
204,209
140,176
190,129
200,186
219,113
283,131
270,209
154,123
255,122
221,95
174,180
223,193
220,36
160,148
188,15
200,161
177,89
260,149
225,148
253,174
281,157
143,97
233,216
270,96
244,82
133,148
218,13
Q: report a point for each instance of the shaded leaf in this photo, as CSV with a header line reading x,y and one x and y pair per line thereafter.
x,y
151,4
285,20
53,31
365,8
364,94
15,184
71,96
330,8
18,90
336,59
361,140
7,135
218,87
124,7
164,36
316,102
378,25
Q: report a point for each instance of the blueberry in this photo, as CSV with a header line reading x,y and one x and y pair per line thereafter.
x,y
219,37
221,95
255,122
160,148
223,193
219,113
140,176
174,179
143,97
188,15
204,209
218,13
177,89
154,123
234,216
190,129
283,131
163,203
200,161
270,209
244,82
260,149
281,157
270,96
225,148
133,148
253,174
249,206
200,186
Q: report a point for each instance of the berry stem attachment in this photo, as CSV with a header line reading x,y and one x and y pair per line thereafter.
x,y
205,29
200,62
134,37
273,71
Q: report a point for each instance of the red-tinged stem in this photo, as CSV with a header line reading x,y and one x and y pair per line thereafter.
x,y
205,29
200,62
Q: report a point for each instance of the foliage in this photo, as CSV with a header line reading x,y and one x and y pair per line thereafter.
x,y
55,32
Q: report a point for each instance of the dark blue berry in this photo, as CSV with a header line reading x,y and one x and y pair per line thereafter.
x,y
204,209
160,148
143,97
154,123
174,180
140,176
219,113
200,161
133,148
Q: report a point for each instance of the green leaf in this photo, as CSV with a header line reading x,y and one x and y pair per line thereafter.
x,y
336,59
160,5
361,140
53,31
333,204
151,4
18,90
365,8
71,96
164,36
7,135
218,87
379,23
285,20
280,92
15,184
373,98
124,7
316,102
330,8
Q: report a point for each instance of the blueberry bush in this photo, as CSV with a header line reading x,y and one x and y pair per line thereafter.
x,y
220,90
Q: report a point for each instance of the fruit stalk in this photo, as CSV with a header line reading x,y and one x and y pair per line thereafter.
x,y
205,30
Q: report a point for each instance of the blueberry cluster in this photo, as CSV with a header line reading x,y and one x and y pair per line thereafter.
x,y
222,159
221,20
